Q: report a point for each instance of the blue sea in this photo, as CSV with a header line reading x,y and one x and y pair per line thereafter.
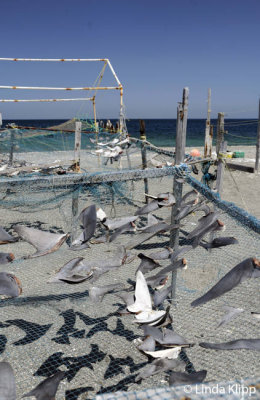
x,y
160,132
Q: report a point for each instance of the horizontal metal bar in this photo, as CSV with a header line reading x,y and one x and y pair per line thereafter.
x,y
42,100
61,88
53,59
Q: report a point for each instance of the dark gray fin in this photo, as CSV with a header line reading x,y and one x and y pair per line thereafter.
x,y
180,378
6,258
44,242
46,390
249,344
88,218
97,293
150,207
231,313
161,295
161,254
147,264
7,382
5,237
10,285
236,275
147,344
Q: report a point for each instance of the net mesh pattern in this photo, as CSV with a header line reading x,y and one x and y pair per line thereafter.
x,y
56,326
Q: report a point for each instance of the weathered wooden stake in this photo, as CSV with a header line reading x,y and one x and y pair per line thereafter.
x,y
258,141
75,194
143,153
96,127
181,128
220,131
221,168
208,130
77,145
75,209
12,144
221,147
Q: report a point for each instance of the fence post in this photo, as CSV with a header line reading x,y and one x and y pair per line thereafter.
x,y
77,145
181,128
220,168
75,194
220,131
143,154
12,145
257,140
208,130
221,147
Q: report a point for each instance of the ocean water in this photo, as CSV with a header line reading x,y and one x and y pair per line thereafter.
x,y
160,132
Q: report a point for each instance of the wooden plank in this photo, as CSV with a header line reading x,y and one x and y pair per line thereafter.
x,y
240,167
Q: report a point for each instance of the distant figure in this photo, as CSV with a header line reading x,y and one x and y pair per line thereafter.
x,y
117,126
109,124
101,124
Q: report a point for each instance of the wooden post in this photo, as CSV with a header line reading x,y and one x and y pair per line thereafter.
x,y
96,127
181,128
12,144
74,209
257,140
220,131
75,194
221,168
221,147
208,130
77,146
143,154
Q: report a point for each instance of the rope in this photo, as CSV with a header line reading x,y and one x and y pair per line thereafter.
x,y
239,136
152,147
241,123
236,185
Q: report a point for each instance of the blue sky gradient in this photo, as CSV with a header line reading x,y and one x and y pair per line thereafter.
x,y
156,47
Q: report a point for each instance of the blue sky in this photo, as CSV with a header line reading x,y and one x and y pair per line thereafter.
x,y
156,48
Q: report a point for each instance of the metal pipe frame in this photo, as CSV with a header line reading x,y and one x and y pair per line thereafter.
x,y
106,62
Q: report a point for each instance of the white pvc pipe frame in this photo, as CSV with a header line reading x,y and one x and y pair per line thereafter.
x,y
105,60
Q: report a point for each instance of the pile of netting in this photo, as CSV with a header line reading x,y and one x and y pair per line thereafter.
x,y
98,301
53,150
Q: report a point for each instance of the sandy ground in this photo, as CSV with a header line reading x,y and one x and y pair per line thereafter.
x,y
92,343
242,188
